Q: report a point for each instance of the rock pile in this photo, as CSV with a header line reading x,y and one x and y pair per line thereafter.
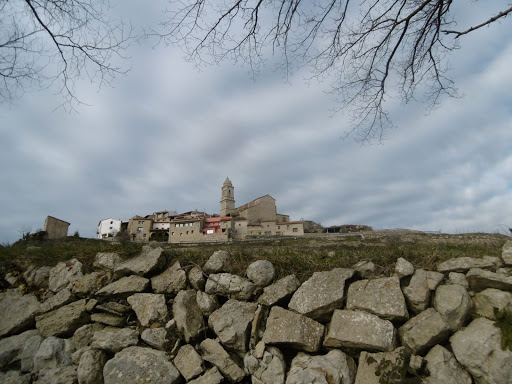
x,y
147,320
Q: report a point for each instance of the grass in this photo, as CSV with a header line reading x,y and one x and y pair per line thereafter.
x,y
300,256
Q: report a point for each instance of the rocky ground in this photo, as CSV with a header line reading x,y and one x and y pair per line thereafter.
x,y
153,319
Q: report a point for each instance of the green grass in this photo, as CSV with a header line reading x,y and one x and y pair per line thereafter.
x,y
300,256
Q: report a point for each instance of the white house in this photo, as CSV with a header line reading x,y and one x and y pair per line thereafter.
x,y
108,228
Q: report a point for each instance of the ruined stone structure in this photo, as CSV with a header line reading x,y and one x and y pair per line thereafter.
x,y
55,228
152,319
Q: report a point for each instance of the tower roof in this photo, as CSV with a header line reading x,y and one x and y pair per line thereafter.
x,y
228,182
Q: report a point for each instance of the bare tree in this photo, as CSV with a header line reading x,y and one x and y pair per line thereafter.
x,y
53,43
368,50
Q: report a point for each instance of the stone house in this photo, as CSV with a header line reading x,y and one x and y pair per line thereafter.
x,y
56,228
139,228
108,228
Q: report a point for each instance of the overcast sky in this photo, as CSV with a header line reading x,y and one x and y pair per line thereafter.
x,y
167,135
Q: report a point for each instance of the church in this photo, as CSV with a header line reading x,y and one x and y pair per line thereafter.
x,y
258,217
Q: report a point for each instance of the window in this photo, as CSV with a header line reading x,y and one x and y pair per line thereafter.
x,y
140,229
191,232
239,224
172,233
209,231
144,235
288,227
295,230
223,229
187,232
111,222
278,227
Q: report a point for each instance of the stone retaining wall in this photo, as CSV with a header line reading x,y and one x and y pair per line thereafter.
x,y
152,320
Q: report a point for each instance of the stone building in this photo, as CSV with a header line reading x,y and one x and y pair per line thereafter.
x,y
108,228
56,228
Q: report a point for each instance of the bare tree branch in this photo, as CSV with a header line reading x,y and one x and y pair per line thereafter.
x,y
369,51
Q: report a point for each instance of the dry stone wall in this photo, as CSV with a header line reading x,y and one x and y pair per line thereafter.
x,y
152,320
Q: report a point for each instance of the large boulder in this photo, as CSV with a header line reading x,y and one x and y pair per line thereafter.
x,y
478,348
12,347
464,264
106,261
17,311
136,365
156,338
171,281
37,277
211,376
90,368
125,286
382,297
231,286
90,283
114,339
187,314
53,352
321,294
506,253
60,375
454,304
444,368
64,274
424,331
15,377
207,303
403,268
293,329
189,362
149,261
480,279
381,367
267,368
63,322
333,368
61,298
232,324
213,352
281,290
149,307
30,349
218,262
417,292
360,330
261,272
490,299
196,277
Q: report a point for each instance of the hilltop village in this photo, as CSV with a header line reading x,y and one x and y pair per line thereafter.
x,y
258,217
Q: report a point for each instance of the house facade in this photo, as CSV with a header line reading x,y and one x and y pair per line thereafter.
x,y
108,228
56,228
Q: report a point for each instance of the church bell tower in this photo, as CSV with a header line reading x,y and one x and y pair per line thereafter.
x,y
227,202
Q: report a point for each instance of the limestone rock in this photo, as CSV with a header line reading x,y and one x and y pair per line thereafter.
x,y
232,324
434,279
37,277
188,316
280,290
149,261
382,297
61,298
218,262
30,349
418,291
293,329
108,319
12,347
171,281
423,331
106,261
360,330
14,377
231,286
114,308
491,298
403,267
269,368
213,352
212,376
196,278
83,335
90,368
17,311
207,303
64,274
125,286
458,279
114,339
444,368
90,283
480,279
506,253
333,368
454,304
364,268
63,322
463,264
140,365
261,272
149,308
382,367
321,294
156,338
478,348
53,352
189,362
60,375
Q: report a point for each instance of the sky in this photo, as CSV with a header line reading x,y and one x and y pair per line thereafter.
x,y
166,136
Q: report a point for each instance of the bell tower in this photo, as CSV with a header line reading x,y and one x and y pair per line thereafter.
x,y
227,201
